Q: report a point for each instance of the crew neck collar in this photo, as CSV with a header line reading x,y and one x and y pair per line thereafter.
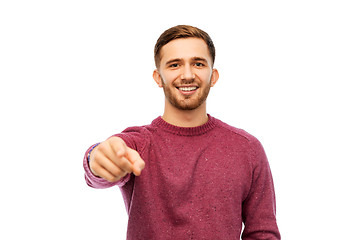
x,y
185,131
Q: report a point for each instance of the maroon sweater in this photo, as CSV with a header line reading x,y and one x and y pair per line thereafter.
x,y
198,183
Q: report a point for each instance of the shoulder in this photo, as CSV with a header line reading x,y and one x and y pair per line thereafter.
x,y
136,137
241,137
236,132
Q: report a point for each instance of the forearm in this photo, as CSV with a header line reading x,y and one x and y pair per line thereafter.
x,y
259,215
259,208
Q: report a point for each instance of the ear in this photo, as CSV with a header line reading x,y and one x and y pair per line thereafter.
x,y
157,78
214,77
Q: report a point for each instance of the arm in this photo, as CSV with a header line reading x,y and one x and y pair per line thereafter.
x,y
259,207
110,163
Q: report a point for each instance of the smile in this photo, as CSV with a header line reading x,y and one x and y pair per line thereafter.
x,y
187,89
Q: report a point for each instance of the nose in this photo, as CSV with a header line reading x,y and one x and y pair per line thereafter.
x,y
187,73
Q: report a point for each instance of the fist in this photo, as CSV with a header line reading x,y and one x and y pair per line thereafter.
x,y
112,160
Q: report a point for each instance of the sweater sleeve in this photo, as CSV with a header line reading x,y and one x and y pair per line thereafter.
x,y
259,210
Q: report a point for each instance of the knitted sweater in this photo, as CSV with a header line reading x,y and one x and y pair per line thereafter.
x,y
198,183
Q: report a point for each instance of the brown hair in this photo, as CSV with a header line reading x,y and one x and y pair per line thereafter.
x,y
182,31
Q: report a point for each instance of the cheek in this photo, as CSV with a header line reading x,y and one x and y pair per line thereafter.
x,y
205,77
169,78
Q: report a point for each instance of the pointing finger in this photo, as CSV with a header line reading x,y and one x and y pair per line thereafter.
x,y
136,160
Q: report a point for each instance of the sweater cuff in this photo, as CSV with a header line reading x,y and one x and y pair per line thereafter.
x,y
89,152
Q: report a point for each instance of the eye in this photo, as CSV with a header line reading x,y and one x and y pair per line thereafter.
x,y
199,64
174,65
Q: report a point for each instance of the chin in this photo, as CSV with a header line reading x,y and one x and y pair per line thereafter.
x,y
187,105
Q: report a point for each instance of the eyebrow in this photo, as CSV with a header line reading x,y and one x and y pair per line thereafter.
x,y
179,60
173,61
199,59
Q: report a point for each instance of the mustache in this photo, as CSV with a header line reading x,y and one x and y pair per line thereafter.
x,y
187,81
182,81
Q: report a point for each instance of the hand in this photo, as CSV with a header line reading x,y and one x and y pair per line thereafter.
x,y
112,160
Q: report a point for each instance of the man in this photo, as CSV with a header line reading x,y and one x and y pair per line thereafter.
x,y
187,175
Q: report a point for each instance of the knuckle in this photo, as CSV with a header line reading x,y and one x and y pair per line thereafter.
x,y
117,172
97,159
112,139
116,141
101,147
121,151
94,168
93,164
124,165
112,179
122,162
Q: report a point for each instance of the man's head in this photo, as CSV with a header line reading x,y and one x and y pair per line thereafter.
x,y
182,31
185,57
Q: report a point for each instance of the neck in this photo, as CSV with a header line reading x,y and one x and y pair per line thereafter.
x,y
185,118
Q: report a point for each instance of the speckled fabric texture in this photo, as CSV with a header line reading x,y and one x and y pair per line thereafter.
x,y
198,183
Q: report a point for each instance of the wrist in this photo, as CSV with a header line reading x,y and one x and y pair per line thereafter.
x,y
91,149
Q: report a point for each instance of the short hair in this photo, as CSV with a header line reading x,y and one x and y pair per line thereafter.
x,y
182,31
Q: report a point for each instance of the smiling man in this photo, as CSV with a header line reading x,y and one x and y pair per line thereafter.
x,y
187,175
185,72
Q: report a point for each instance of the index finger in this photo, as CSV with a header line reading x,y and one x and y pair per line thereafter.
x,y
137,162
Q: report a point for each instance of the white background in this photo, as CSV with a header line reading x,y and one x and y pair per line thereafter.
x,y
75,72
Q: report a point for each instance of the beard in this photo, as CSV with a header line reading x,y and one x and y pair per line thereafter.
x,y
190,102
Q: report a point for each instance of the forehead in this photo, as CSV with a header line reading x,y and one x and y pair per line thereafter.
x,y
185,48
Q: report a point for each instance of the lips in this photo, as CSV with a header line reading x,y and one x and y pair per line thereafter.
x,y
187,89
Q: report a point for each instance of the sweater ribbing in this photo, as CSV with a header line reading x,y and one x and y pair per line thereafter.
x,y
185,131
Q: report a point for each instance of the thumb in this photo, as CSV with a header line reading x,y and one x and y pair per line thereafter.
x,y
137,162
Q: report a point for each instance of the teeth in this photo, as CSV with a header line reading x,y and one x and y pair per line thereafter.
x,y
185,89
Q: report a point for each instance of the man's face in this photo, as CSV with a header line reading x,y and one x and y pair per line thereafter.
x,y
185,73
